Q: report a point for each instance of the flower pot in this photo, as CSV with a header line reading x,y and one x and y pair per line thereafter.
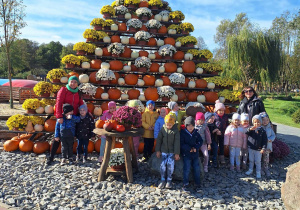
x,y
121,16
165,98
214,73
203,59
55,95
153,30
45,95
115,55
185,32
118,167
56,80
176,85
189,45
106,15
145,17
167,57
131,6
86,96
90,40
143,69
80,52
127,127
176,20
154,7
141,43
104,82
30,111
107,28
70,65
132,29
97,27
15,129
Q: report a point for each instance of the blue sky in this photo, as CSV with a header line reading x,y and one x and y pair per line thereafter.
x,y
66,20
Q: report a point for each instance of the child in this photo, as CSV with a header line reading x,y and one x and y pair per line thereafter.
x,y
221,120
168,146
204,132
148,120
84,131
214,132
235,137
244,151
190,143
160,121
179,114
257,143
271,137
107,115
66,132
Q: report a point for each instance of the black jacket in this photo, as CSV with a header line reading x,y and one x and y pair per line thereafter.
x,y
188,141
255,105
84,129
257,139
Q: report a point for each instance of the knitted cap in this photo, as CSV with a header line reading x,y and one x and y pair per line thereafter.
x,y
150,102
219,106
74,78
170,118
67,108
208,115
236,116
199,116
166,110
263,114
257,117
171,104
84,107
189,121
111,104
244,116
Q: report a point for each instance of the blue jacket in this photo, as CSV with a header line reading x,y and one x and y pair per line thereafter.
x,y
188,141
68,124
158,125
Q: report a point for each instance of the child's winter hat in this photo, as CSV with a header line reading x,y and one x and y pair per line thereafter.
x,y
170,118
111,104
219,106
67,108
74,78
263,114
199,116
257,117
84,107
236,116
189,121
150,102
166,110
244,116
208,115
171,104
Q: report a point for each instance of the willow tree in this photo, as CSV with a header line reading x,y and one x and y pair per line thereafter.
x,y
254,56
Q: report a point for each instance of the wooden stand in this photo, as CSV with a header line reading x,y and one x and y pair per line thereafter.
x,y
128,149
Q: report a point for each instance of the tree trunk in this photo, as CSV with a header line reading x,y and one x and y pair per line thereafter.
x,y
11,99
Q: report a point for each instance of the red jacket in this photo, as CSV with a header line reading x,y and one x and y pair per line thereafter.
x,y
64,96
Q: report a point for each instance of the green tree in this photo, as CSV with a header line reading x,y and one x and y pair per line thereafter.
x,y
48,55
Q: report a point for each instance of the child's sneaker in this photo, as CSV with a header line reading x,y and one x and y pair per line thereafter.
x,y
77,158
198,189
169,185
185,187
70,161
258,175
231,168
205,169
84,159
145,159
161,185
249,172
244,166
238,169
100,159
49,161
63,161
267,172
215,164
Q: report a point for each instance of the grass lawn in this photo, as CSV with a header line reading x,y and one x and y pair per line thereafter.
x,y
280,110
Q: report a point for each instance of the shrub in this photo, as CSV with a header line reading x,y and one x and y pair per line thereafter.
x,y
289,110
296,116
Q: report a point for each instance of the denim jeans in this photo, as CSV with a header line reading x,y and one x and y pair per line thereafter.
x,y
82,143
221,144
214,150
67,147
235,155
148,146
187,163
254,157
204,151
102,146
167,166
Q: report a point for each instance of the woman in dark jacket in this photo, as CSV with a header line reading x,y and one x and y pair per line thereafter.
x,y
250,104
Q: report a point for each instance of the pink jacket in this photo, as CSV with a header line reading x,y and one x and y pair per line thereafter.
x,y
106,115
235,137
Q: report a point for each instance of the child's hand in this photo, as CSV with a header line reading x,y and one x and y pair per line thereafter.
x,y
192,150
262,151
219,133
60,120
270,140
150,128
252,128
177,157
215,130
195,150
226,146
56,138
93,138
158,154
209,147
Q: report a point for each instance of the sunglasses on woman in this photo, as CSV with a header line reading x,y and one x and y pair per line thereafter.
x,y
248,91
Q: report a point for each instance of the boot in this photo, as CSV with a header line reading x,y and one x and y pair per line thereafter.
x,y
222,159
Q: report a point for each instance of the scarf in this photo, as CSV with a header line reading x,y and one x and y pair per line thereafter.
x,y
72,90
246,103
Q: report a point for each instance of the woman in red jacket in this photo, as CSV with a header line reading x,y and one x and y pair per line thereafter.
x,y
66,95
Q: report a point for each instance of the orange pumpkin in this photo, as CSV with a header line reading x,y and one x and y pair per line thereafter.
x,y
157,55
49,125
116,65
58,151
96,64
115,81
144,28
91,147
132,41
92,78
170,40
41,147
97,145
166,80
25,136
16,138
143,53
115,38
188,67
90,107
201,83
227,110
149,80
154,67
192,96
72,73
143,4
170,67
151,94
114,93
179,55
26,145
152,42
99,123
131,79
133,94
211,97
11,145
181,95
186,83
134,16
104,106
118,145
126,53
75,144
105,52
141,148
122,27
99,91
163,30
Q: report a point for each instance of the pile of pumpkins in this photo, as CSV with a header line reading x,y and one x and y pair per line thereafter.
x,y
109,125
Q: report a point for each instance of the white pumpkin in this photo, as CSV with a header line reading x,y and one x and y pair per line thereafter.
x,y
222,99
188,56
211,85
64,80
85,65
151,56
134,54
159,83
127,68
165,18
124,40
142,98
114,27
174,97
179,70
121,81
104,96
38,127
201,98
158,17
124,96
97,111
105,65
160,42
178,44
40,110
83,78
106,39
161,69
172,31
127,16
199,70
49,109
192,84
98,51
140,82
